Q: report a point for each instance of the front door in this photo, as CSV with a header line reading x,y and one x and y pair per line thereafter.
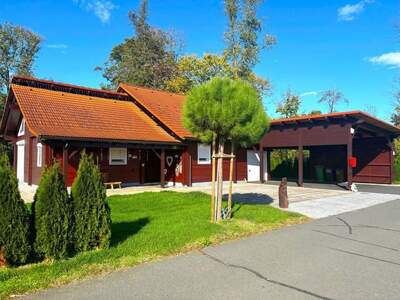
x,y
253,165
21,161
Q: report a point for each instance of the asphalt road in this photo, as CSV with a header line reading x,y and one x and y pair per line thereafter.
x,y
350,256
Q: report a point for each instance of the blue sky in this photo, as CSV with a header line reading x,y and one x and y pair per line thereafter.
x,y
349,45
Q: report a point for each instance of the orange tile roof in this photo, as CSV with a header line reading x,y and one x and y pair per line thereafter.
x,y
166,107
61,114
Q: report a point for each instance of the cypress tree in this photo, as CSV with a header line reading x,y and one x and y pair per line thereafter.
x,y
91,213
51,214
14,218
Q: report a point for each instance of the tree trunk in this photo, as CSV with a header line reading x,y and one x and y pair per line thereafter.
x,y
213,218
230,183
220,181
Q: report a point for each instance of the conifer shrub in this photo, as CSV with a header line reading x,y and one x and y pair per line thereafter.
x,y
91,213
51,215
14,218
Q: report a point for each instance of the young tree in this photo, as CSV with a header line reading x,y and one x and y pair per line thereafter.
x,y
193,70
243,35
225,111
332,98
146,59
14,218
18,49
52,214
290,105
91,214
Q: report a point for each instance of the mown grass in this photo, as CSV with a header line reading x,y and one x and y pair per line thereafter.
x,y
145,227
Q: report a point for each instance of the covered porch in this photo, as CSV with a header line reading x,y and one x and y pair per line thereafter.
x,y
127,163
340,147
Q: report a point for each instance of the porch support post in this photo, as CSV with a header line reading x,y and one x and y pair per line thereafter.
x,y
300,156
30,159
391,146
269,165
261,155
349,155
65,163
162,168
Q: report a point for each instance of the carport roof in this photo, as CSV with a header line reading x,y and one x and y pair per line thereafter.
x,y
357,114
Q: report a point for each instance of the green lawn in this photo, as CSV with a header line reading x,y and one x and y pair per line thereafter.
x,y
147,226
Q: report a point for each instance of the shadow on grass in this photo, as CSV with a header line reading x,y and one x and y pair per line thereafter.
x,y
121,231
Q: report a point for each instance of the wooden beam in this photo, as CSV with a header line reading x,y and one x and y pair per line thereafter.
x,y
349,155
162,168
156,153
30,159
261,155
65,163
300,156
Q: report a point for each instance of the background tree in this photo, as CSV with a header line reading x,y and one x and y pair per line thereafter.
x,y
332,98
242,37
51,214
91,213
14,218
290,105
146,59
193,70
18,50
221,111
315,112
395,117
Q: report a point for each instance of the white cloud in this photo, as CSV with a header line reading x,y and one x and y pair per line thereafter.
x,y
101,8
57,46
391,59
310,93
349,11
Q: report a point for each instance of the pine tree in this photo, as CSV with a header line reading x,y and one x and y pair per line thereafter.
x,y
14,218
91,213
51,215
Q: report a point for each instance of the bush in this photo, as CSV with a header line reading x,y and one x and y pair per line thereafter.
x,y
91,213
51,215
14,218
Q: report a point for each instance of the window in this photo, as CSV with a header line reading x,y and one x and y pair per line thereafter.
x,y
203,154
118,156
39,155
21,130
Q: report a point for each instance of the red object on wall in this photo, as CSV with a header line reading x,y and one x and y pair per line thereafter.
x,y
353,162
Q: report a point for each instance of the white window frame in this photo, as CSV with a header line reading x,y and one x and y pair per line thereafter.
x,y
201,149
124,158
21,130
39,155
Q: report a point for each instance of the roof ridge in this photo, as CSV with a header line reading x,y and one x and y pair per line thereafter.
x,y
152,89
68,88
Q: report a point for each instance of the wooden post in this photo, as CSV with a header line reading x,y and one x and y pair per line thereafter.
x,y
30,159
65,163
349,155
269,165
220,181
162,168
261,155
391,148
230,182
300,166
213,217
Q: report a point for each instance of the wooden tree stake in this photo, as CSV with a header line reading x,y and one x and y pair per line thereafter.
x,y
230,183
213,219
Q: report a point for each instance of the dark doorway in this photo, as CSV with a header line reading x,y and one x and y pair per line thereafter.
x,y
151,166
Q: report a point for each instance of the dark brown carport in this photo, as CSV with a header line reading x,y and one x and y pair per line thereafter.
x,y
340,136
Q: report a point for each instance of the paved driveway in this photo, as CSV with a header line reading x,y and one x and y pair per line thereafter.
x,y
351,256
